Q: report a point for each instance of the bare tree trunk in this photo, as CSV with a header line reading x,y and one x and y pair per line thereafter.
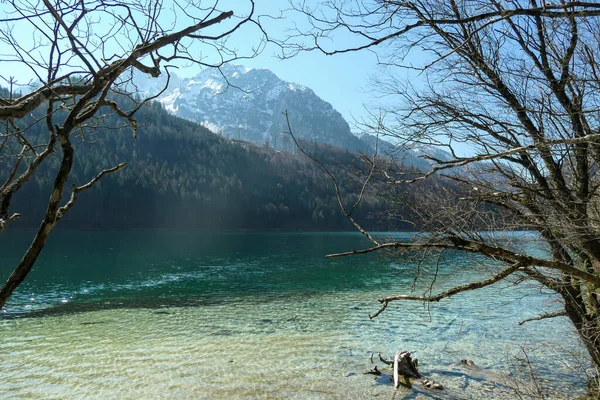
x,y
50,219
22,270
588,329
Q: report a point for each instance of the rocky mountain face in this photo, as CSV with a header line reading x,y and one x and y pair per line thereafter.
x,y
248,104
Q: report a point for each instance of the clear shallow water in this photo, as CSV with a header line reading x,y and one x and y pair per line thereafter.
x,y
189,315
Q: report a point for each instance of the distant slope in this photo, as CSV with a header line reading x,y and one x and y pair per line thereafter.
x,y
182,176
247,104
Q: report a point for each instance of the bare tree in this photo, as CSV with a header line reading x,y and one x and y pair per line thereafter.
x,y
82,55
517,81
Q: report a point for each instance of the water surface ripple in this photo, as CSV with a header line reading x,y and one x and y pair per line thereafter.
x,y
248,315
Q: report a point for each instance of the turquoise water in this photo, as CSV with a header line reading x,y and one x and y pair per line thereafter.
x,y
262,315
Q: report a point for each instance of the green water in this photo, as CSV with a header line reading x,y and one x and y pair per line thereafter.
x,y
247,315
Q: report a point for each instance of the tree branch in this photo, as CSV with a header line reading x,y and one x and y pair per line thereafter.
x,y
544,316
457,243
78,189
451,292
333,180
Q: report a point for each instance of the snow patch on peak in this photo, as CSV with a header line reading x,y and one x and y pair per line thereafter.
x,y
274,92
295,87
233,70
168,102
214,128
212,85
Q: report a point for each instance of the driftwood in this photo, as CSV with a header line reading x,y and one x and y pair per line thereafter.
x,y
374,371
404,366
468,363
407,367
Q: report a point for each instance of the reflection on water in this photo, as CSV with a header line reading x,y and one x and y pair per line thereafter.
x,y
260,316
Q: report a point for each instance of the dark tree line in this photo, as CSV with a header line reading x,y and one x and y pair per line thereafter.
x,y
79,65
182,176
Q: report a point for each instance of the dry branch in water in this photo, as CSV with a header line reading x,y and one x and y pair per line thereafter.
x,y
404,366
544,316
517,83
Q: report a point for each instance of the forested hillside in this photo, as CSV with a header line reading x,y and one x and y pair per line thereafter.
x,y
182,176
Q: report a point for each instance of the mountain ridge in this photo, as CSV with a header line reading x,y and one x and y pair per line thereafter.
x,y
248,103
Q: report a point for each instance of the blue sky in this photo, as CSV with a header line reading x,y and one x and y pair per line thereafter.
x,y
341,80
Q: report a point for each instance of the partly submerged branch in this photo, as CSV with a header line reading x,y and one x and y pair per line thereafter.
x,y
544,316
5,222
451,292
495,252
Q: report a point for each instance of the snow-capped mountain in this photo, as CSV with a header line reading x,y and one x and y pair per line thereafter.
x,y
248,104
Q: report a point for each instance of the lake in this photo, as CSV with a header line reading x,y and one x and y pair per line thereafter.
x,y
263,315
